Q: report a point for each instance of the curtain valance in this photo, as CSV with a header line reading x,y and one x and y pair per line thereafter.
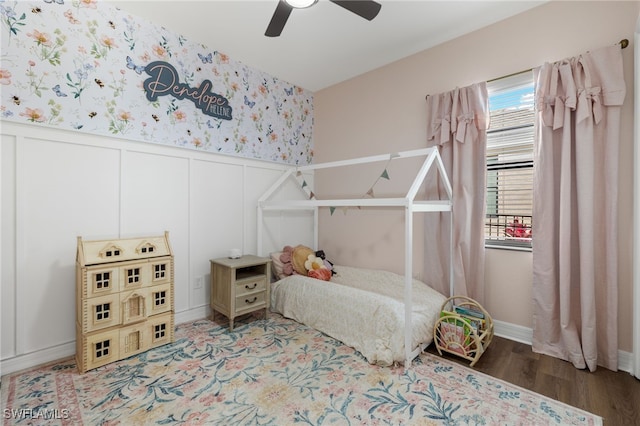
x,y
583,84
457,115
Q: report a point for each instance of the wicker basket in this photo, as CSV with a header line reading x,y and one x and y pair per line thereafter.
x,y
464,328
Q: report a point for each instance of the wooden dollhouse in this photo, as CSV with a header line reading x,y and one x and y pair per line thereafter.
x,y
124,298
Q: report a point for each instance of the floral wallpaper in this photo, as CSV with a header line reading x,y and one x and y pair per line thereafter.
x,y
82,64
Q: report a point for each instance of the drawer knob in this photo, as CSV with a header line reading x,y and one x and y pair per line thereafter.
x,y
248,302
252,287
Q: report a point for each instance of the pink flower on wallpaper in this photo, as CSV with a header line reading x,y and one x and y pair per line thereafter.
x,y
224,59
108,42
5,76
159,51
34,115
125,115
273,137
69,15
180,116
40,38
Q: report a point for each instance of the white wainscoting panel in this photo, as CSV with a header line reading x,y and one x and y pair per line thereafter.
x,y
58,185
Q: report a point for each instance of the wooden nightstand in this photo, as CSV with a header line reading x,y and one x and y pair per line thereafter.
x,y
240,286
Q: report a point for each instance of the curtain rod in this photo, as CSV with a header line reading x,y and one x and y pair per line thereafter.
x,y
623,45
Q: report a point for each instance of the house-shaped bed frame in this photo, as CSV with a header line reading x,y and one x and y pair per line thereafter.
x,y
408,202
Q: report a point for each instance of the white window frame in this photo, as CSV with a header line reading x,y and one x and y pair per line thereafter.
x,y
510,216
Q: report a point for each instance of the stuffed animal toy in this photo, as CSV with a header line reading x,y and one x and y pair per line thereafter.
x,y
299,257
313,262
285,258
327,264
320,274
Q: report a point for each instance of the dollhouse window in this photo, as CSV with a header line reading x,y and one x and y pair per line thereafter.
x,y
102,280
146,248
160,271
160,298
102,349
159,331
103,311
111,251
133,275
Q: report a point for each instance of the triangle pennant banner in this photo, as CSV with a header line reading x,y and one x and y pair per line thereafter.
x,y
331,210
385,175
370,193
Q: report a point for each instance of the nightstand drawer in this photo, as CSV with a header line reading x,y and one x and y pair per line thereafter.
x,y
251,285
251,301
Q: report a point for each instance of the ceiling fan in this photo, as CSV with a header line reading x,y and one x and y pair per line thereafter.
x,y
368,9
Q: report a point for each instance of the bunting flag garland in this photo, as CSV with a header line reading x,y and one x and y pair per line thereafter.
x,y
369,193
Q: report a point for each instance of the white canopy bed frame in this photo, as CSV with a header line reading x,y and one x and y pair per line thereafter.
x,y
408,202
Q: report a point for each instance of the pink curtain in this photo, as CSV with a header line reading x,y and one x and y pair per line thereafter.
x,y
457,125
575,278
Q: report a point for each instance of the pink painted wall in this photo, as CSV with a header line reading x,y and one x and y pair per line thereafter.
x,y
383,111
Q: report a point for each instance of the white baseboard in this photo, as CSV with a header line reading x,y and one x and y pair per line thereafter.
x,y
524,335
65,350
509,331
514,332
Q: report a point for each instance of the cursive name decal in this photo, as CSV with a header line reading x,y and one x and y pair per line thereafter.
x,y
164,81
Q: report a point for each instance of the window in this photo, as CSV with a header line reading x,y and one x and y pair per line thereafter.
x,y
102,349
102,280
160,298
103,311
159,331
159,271
510,138
145,248
133,275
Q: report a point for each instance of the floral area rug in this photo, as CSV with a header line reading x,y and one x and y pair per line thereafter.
x,y
270,372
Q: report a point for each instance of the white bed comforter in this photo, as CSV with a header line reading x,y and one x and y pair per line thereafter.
x,y
363,308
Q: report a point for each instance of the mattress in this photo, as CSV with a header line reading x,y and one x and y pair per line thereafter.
x,y
363,308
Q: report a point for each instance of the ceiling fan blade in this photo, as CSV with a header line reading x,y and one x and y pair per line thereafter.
x,y
279,18
368,9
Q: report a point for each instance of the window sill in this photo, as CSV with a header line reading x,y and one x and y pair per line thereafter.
x,y
505,247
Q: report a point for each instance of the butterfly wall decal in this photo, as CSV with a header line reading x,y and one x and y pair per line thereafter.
x,y
132,66
58,91
251,104
206,59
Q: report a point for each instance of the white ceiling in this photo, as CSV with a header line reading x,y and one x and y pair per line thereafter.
x,y
324,44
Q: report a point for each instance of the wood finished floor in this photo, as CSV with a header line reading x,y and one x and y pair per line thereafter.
x,y
614,396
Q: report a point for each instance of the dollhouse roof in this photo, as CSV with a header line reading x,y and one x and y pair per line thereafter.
x,y
97,252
